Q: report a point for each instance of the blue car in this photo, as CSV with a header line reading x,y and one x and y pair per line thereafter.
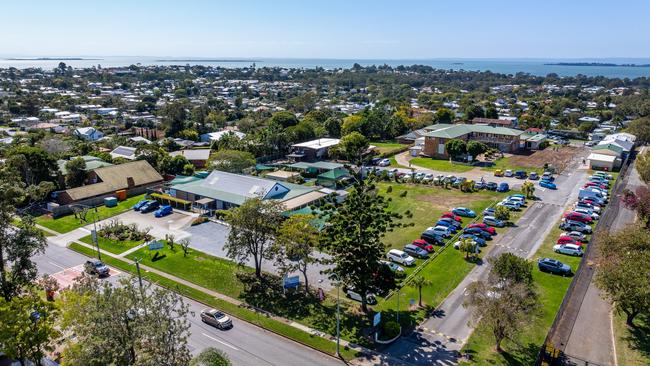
x,y
547,184
139,205
447,224
149,206
478,232
503,187
480,241
163,211
463,211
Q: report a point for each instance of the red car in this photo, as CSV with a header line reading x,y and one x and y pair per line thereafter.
x,y
594,184
451,216
423,244
591,202
482,226
577,216
568,240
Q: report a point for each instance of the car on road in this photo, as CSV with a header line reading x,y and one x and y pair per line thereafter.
x,y
149,206
443,231
398,256
493,221
463,211
451,215
480,241
431,238
478,232
216,318
575,226
569,249
533,176
520,174
503,187
575,235
97,268
508,173
420,243
163,211
553,266
393,266
416,251
384,162
483,227
491,186
139,205
577,216
547,184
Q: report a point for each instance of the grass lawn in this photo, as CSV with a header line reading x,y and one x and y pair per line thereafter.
x,y
523,350
113,246
258,319
505,163
441,165
68,223
632,344
387,147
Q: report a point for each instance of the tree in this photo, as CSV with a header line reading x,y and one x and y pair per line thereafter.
x,y
353,123
284,119
27,327
510,268
253,226
211,357
502,213
233,161
643,166
455,147
173,165
467,246
76,172
491,112
445,115
528,188
354,235
640,202
352,147
32,163
474,111
475,148
185,245
640,128
295,242
418,282
124,325
174,117
623,272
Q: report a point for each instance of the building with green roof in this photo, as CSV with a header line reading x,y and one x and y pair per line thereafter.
x,y
502,138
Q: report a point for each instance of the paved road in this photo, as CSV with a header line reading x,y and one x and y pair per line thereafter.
x,y
448,328
245,344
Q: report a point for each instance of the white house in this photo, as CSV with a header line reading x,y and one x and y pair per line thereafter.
x,y
88,133
216,136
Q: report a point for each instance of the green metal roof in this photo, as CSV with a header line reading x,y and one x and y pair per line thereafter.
x,y
454,131
92,163
322,165
334,174
615,148
533,136
182,179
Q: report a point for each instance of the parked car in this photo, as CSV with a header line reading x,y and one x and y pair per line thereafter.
x,y
420,243
510,205
508,173
463,211
570,249
582,204
416,251
427,178
442,231
575,226
393,266
491,186
518,197
493,221
431,238
553,266
451,216
576,235
480,241
455,223
352,294
478,232
483,227
547,184
594,184
450,227
480,185
216,318
398,256
603,175
498,173
520,174
384,162
149,206
163,211
568,240
548,176
587,211
476,248
577,216
533,176
489,211
96,267
139,205
503,187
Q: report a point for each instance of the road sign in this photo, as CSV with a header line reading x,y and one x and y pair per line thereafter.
x,y
155,245
377,319
412,302
93,234
291,282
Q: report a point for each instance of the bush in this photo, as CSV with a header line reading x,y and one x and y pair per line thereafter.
x,y
403,194
116,230
220,214
389,189
390,330
502,213
199,220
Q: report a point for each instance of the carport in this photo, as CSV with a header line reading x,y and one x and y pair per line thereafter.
x,y
204,206
166,199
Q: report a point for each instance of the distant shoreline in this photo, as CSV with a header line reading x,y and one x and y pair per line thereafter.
x,y
54,59
597,64
205,60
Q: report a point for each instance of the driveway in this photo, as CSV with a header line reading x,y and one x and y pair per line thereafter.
x,y
160,226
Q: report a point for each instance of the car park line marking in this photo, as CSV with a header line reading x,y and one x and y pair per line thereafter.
x,y
56,265
220,341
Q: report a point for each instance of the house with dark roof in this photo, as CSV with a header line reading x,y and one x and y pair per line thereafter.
x,y
197,157
509,122
502,138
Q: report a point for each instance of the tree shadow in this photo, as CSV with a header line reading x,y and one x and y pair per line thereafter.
x,y
638,337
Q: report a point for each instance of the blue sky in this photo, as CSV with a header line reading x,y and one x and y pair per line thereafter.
x,y
399,29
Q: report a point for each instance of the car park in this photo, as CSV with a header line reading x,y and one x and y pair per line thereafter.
x,y
398,256
575,226
480,241
96,267
216,318
575,235
493,221
533,176
384,162
420,243
463,211
415,251
483,227
577,216
149,206
431,238
451,215
443,231
547,184
491,186
478,232
508,173
393,266
139,205
163,211
569,249
352,294
503,187
553,266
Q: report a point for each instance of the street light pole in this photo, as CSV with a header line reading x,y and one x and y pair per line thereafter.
x,y
137,267
398,296
338,314
95,241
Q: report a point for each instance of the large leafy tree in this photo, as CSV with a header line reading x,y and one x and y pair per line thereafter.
x,y
233,161
353,236
474,111
124,325
352,147
27,327
211,357
640,202
33,164
445,115
643,166
475,148
296,241
175,117
623,271
455,147
640,128
253,227
76,172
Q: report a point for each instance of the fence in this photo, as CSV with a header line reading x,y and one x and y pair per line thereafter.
x,y
552,351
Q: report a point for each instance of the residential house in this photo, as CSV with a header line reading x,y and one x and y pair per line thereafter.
x,y
216,136
88,133
500,122
312,150
197,157
124,152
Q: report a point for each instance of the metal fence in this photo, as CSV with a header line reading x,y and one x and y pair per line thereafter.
x,y
552,352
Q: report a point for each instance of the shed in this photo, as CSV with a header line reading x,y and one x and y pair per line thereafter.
x,y
603,162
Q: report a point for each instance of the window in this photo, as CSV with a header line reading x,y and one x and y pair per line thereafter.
x,y
441,149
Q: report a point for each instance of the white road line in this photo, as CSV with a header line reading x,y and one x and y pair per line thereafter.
x,y
222,342
56,265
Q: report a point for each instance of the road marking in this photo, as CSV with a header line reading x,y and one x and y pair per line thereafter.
x,y
56,265
222,342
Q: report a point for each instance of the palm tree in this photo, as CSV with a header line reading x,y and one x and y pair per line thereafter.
x,y
529,189
418,282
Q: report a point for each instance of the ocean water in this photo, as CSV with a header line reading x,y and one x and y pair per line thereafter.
x,y
505,66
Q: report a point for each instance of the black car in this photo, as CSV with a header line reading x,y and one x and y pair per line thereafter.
x,y
151,206
480,185
96,267
553,266
431,238
478,232
491,186
520,174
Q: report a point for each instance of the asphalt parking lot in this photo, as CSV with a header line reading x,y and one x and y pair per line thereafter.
x,y
160,226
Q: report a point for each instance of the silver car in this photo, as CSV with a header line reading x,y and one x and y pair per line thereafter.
x,y
216,318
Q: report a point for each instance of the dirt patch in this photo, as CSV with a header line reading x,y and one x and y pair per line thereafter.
x,y
443,202
559,158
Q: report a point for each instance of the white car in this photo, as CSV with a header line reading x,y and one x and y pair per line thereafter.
x,y
587,211
393,267
493,221
508,173
440,230
569,249
457,245
399,256
575,235
427,178
384,162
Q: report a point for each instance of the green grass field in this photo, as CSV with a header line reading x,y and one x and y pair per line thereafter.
x,y
113,246
68,223
386,147
504,164
632,344
440,165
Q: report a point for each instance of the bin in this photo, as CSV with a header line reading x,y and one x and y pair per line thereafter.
x,y
121,194
110,201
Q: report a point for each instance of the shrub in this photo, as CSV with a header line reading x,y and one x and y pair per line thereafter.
x,y
502,213
116,230
390,330
220,214
199,220
403,194
389,189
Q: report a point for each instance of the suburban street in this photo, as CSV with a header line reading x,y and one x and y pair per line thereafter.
x,y
245,344
448,329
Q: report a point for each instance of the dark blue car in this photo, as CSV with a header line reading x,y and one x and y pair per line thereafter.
x,y
163,211
478,232
503,187
139,205
480,241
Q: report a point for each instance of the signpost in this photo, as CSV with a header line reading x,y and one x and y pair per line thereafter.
x,y
155,245
377,319
290,283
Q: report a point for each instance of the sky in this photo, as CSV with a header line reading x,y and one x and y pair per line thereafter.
x,y
343,29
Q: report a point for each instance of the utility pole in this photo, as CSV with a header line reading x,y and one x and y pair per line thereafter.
x,y
95,241
137,267
398,296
